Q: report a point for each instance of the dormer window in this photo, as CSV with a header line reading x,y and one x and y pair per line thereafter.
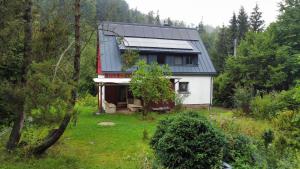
x,y
188,60
178,60
161,59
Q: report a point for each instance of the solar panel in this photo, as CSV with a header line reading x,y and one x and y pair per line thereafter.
x,y
156,43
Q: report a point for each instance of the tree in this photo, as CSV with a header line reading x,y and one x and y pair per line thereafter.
x,y
57,133
150,83
157,19
15,134
232,34
222,49
243,25
150,18
256,22
200,28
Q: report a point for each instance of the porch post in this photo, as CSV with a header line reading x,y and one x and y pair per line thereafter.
x,y
100,107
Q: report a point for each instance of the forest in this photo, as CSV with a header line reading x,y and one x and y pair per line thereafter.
x,y
48,60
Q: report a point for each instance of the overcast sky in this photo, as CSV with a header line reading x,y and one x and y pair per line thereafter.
x,y
214,12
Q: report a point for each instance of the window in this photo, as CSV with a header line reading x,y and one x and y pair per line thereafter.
x,y
183,87
144,58
189,60
161,59
178,60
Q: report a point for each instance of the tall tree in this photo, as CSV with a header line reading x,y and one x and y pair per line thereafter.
x,y
232,34
200,28
56,134
243,25
157,19
15,134
256,21
150,17
222,48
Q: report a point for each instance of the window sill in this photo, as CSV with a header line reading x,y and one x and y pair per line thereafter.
x,y
181,92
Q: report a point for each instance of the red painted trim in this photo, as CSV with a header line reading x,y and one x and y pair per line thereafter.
x,y
98,62
117,75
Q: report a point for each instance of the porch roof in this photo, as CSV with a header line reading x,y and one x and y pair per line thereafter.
x,y
112,80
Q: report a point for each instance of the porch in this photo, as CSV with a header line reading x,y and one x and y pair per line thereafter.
x,y
114,95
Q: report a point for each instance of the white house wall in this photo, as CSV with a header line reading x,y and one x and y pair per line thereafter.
x,y
200,88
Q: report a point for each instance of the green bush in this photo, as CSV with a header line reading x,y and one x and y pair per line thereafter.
x,y
241,152
265,107
188,140
88,100
242,98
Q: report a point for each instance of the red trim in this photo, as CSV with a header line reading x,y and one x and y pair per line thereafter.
x,y
117,75
98,62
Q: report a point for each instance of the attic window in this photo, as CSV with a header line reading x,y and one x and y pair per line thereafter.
x,y
178,60
189,60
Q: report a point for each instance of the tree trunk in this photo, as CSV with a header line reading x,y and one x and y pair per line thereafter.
x,y
52,139
15,134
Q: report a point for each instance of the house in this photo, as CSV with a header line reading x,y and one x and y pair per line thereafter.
x,y
181,48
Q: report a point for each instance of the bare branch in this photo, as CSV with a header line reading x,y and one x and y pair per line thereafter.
x,y
60,58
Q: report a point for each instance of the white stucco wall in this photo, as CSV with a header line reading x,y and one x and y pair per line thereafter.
x,y
199,89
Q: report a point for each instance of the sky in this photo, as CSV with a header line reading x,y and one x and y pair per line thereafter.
x,y
213,12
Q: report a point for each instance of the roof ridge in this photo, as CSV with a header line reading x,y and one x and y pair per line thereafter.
x,y
143,24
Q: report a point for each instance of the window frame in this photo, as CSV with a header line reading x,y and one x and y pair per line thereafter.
x,y
180,88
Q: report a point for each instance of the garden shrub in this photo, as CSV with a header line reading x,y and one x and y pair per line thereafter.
x,y
265,107
289,99
288,124
188,140
241,151
88,100
242,98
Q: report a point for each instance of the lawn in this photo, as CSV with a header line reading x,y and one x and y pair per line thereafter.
x,y
89,145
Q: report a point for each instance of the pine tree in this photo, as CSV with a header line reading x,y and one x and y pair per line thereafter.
x,y
150,18
243,25
201,28
256,22
232,33
221,47
157,19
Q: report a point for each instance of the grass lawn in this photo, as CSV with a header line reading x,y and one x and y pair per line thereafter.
x,y
89,145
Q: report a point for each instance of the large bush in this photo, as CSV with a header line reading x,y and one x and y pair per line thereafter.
x,y
266,107
188,141
241,152
242,98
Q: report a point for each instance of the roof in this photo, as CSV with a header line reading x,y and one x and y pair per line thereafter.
x,y
111,50
149,31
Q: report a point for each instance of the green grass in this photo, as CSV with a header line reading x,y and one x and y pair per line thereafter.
x,y
89,145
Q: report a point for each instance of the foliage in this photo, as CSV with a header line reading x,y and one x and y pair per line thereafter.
x,y
268,137
243,25
242,98
150,83
288,123
129,59
256,22
181,142
87,100
266,106
11,98
47,98
241,152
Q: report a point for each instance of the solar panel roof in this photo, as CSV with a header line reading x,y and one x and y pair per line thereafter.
x,y
156,43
